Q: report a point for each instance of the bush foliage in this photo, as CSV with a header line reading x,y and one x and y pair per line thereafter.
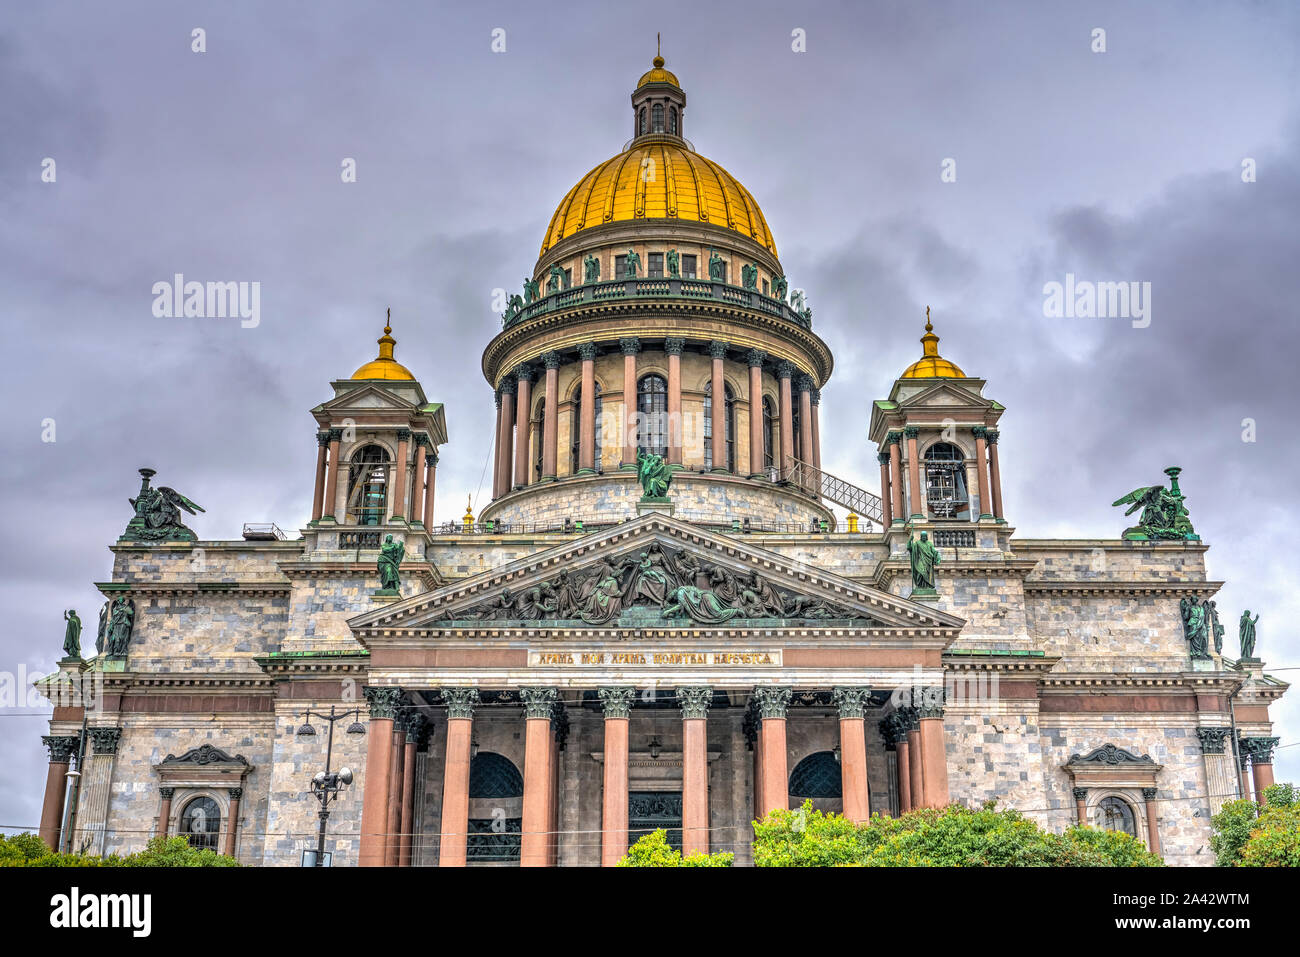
x,y
1267,834
952,837
28,850
653,850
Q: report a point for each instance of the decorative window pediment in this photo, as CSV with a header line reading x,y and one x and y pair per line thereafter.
x,y
203,766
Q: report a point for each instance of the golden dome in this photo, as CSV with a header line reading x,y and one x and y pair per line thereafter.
x,y
681,184
384,366
931,365
658,75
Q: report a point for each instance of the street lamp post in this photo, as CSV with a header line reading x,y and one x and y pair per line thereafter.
x,y
327,785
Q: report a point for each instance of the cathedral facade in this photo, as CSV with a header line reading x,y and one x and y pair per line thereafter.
x,y
658,621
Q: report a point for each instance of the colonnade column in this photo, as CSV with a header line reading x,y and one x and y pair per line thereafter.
x,y
430,484
524,375
630,345
933,750
1261,763
893,442
1243,758
914,472
165,811
784,372
332,475
551,417
414,729
718,407
805,428
695,768
539,782
916,760
617,705
401,478
417,481
756,425
454,844
1153,821
61,748
559,733
506,437
384,704
996,474
773,701
496,448
587,425
903,751
232,820
318,492
673,347
397,765
852,704
886,493
1081,805
982,484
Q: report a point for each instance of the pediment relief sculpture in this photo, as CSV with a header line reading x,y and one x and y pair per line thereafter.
x,y
663,582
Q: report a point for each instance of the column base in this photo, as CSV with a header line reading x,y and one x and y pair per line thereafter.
x,y
581,472
659,506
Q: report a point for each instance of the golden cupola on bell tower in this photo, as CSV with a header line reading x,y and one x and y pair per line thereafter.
x,y
377,453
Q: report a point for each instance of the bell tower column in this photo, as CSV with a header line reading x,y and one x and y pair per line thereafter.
x,y
401,478
914,473
332,475
318,493
992,436
886,493
982,472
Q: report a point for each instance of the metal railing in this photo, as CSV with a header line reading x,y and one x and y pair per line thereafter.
x,y
814,481
663,288
263,532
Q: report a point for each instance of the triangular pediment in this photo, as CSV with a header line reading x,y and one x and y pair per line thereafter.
x,y
370,397
657,571
945,395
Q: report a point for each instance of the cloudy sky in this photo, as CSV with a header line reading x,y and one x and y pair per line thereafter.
x,y
1122,165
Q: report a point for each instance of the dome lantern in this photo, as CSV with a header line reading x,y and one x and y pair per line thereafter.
x,y
658,103
931,365
384,366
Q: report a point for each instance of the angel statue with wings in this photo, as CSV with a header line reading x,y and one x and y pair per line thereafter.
x,y
158,514
1164,516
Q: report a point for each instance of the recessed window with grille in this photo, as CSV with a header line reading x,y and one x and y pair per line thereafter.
x,y
575,429
688,267
945,481
728,418
495,840
640,126
568,278
657,118
769,423
652,414
655,265
201,823
765,292
368,486
1116,814
620,266
816,776
672,120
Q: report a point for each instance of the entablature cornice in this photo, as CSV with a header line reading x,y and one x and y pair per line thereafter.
x,y
426,572
1043,586
163,588
649,317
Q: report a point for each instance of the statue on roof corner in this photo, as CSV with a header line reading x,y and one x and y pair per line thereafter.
x,y
653,474
1246,632
1164,517
924,558
158,514
72,636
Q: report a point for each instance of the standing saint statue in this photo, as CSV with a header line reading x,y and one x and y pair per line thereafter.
x,y
121,622
674,264
1195,627
391,554
717,265
72,635
590,268
1216,629
1246,632
925,557
631,264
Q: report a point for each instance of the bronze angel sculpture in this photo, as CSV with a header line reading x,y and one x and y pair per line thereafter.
x,y
158,513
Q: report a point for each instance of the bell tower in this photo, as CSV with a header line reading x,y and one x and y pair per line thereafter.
x,y
377,452
936,439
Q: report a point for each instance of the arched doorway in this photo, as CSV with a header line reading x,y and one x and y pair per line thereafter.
x,y
818,777
496,794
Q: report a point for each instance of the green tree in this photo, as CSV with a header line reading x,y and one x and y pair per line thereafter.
x,y
951,837
653,850
1246,834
